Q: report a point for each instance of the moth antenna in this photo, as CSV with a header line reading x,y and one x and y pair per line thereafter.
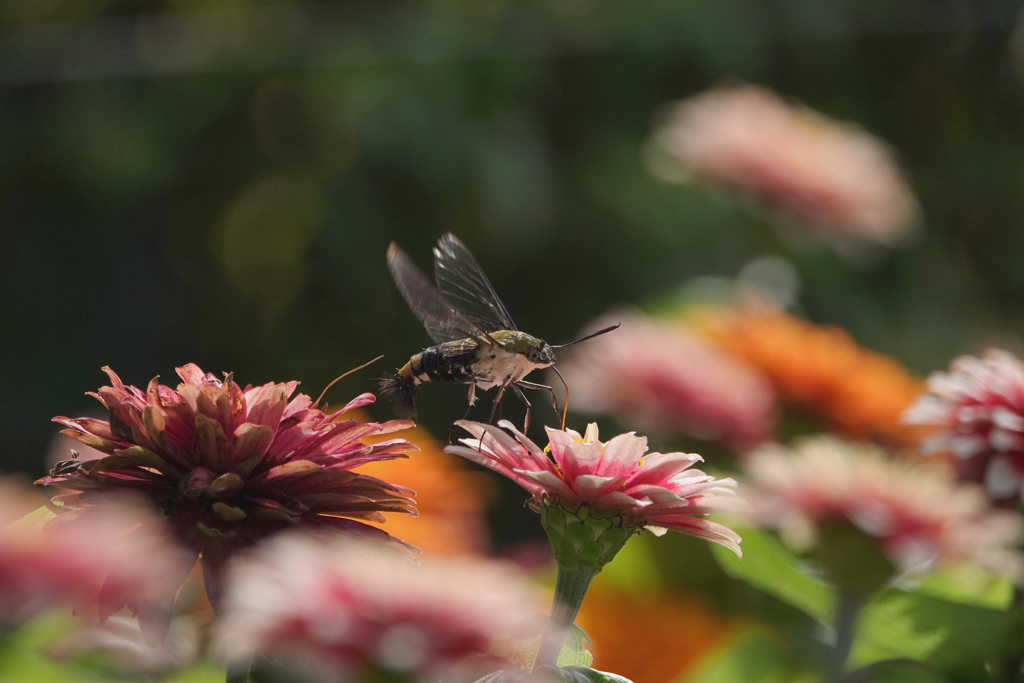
x,y
589,336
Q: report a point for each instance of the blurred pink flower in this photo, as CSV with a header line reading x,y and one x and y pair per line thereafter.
x,y
916,511
978,407
657,491
85,560
343,609
228,466
828,175
660,376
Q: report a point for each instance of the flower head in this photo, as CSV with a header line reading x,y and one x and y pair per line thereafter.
x,y
346,609
78,559
669,380
914,512
830,176
978,406
617,478
820,370
228,466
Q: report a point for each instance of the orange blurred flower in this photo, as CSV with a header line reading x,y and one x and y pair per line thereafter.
x,y
451,499
821,370
677,631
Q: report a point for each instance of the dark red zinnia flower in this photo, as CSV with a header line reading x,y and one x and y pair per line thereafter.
x,y
228,466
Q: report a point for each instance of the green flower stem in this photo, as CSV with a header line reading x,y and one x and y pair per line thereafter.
x,y
847,612
570,588
583,541
238,672
1009,670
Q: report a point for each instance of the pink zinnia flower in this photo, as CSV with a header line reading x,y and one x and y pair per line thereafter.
x,y
228,466
592,496
661,376
978,407
617,478
828,175
82,560
916,512
344,610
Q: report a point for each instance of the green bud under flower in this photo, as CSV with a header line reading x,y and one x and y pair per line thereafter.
x,y
581,536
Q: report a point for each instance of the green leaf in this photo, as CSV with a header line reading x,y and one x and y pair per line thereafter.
x,y
954,619
23,651
202,672
574,651
25,657
897,671
968,583
750,656
35,520
767,565
949,635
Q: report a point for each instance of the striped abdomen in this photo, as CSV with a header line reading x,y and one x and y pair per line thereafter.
x,y
452,361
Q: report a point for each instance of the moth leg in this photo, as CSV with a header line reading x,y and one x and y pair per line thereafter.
x,y
543,387
522,397
470,400
496,406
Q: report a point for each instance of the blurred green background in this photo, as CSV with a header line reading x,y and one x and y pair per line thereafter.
x,y
218,182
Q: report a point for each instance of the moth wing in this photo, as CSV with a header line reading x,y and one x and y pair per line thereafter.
x,y
460,349
442,320
462,282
